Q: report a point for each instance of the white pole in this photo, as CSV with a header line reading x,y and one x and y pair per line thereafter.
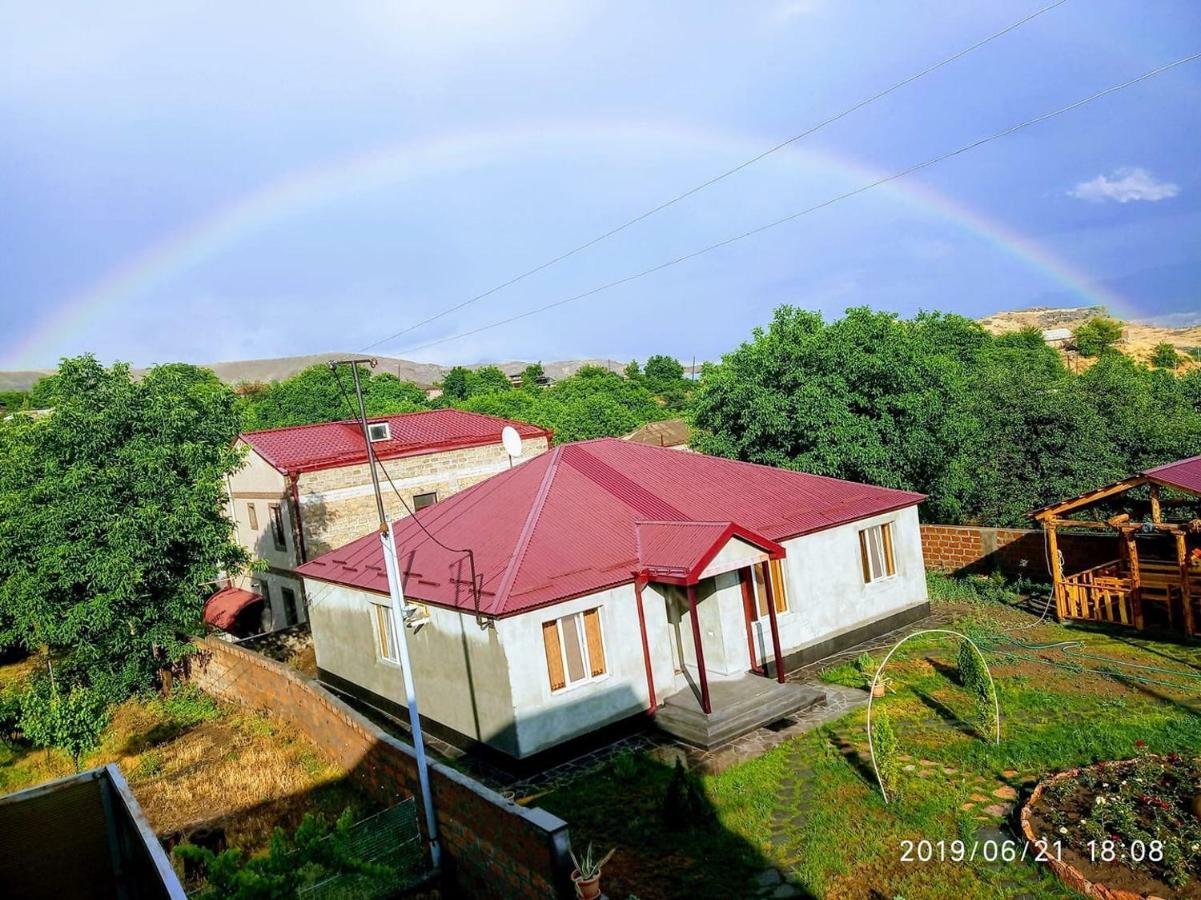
x,y
388,539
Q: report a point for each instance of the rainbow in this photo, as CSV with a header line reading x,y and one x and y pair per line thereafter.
x,y
303,191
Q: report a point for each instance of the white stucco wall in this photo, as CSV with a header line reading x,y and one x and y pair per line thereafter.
x,y
461,672
826,592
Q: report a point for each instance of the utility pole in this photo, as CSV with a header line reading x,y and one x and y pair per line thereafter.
x,y
388,539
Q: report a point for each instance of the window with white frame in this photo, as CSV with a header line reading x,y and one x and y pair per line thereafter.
x,y
575,649
875,550
379,431
385,632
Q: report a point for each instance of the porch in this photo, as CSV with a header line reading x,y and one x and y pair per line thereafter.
x,y
740,703
1155,575
722,588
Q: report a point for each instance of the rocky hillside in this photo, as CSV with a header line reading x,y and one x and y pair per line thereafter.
x,y
1138,339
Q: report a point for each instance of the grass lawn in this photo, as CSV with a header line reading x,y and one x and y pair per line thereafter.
x,y
191,760
811,809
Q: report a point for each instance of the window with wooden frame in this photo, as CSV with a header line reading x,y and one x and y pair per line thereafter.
x,y
875,552
421,501
385,633
777,588
277,526
252,515
575,649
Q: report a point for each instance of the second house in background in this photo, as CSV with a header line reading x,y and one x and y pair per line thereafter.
x,y
321,471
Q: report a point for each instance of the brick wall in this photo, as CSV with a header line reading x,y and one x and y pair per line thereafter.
x,y
492,848
1014,551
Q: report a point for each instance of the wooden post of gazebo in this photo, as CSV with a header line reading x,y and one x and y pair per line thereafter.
x,y
1057,588
1186,594
1136,594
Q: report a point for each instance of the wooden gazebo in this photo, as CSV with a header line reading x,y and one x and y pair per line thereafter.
x,y
1157,569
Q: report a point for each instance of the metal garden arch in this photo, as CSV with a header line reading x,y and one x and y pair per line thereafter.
x,y
871,696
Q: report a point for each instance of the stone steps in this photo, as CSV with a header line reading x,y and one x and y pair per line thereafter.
x,y
739,706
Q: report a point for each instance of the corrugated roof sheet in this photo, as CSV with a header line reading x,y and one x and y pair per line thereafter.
x,y
564,524
1184,474
221,610
305,448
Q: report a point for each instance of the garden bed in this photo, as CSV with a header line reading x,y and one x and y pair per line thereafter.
x,y
1125,829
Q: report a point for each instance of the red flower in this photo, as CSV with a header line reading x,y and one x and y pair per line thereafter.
x,y
1140,743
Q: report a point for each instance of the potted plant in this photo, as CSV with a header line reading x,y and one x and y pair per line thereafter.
x,y
586,876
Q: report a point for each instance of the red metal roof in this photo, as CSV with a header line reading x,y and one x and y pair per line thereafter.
x,y
680,551
1184,474
564,524
327,445
221,610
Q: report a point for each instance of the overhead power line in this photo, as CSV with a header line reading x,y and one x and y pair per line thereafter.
x,y
714,180
804,212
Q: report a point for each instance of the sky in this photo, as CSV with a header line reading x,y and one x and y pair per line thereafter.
x,y
216,181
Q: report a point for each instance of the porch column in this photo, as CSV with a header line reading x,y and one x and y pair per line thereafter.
x,y
700,653
646,650
771,617
1057,588
1185,588
748,615
1156,509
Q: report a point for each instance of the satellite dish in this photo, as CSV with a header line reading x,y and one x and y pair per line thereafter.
x,y
511,439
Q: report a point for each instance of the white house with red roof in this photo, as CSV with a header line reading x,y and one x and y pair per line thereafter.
x,y
613,579
307,488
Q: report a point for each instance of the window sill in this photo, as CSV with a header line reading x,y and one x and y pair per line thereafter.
x,y
580,684
884,580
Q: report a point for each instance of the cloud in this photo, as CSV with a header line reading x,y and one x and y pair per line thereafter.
x,y
1124,185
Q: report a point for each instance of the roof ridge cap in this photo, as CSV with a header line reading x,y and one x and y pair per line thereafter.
x,y
527,531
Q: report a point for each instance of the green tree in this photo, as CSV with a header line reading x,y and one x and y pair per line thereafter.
x,y
42,392
532,377
632,370
869,398
1165,356
1097,335
113,525
454,383
488,380
11,401
313,395
663,370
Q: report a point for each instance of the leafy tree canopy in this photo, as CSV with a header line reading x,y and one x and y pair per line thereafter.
x,y
1097,335
532,376
313,395
112,525
461,383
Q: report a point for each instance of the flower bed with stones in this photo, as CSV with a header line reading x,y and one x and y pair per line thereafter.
x,y
1122,830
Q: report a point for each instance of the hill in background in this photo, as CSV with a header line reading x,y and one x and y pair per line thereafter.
x,y
1139,338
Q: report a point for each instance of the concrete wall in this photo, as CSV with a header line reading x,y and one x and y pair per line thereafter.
x,y
826,593
461,671
339,505
492,848
545,718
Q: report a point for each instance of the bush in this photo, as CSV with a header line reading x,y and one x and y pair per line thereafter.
x,y
973,675
686,807
1164,356
887,754
68,718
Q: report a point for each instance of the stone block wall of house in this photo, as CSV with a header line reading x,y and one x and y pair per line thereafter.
x,y
339,505
1012,551
492,848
